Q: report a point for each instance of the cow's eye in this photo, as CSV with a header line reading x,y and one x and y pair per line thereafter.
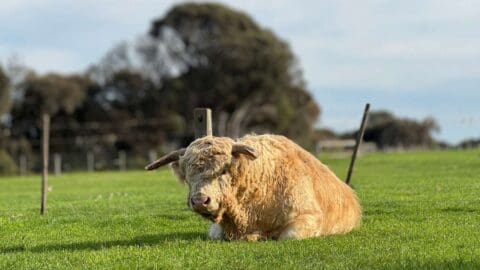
x,y
225,171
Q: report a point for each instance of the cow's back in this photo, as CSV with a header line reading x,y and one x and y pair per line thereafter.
x,y
290,181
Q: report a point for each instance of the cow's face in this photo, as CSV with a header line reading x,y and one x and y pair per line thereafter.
x,y
206,189
206,169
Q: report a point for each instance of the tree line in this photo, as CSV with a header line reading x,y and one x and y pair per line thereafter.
x,y
140,96
388,131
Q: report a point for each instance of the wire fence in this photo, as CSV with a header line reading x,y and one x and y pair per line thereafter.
x,y
88,146
84,161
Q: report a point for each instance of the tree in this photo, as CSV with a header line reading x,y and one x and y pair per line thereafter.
x,y
208,55
469,143
245,73
126,99
141,95
5,104
385,130
5,93
52,94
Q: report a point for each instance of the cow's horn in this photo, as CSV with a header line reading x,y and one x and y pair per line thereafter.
x,y
171,157
246,150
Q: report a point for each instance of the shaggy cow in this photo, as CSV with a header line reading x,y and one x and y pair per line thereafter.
x,y
262,187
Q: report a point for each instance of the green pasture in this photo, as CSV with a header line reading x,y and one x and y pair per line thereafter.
x,y
421,211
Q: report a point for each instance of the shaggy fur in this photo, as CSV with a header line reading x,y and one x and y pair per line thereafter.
x,y
284,193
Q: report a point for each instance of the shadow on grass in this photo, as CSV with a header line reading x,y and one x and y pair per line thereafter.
x,y
458,210
140,241
427,264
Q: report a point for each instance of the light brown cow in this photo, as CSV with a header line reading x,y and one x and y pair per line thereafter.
x,y
262,187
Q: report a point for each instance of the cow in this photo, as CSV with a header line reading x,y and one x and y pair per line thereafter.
x,y
262,187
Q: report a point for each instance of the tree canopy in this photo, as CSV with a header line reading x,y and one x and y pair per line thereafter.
x,y
53,93
245,73
5,93
140,96
208,55
389,131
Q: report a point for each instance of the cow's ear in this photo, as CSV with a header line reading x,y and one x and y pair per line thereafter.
x,y
242,149
177,170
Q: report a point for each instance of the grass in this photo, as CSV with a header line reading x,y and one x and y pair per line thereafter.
x,y
421,211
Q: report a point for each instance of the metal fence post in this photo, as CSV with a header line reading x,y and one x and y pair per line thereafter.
x,y
361,131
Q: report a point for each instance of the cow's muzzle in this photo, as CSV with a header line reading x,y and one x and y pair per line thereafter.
x,y
200,203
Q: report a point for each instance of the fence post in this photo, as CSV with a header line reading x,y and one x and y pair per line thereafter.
x,y
45,148
361,131
90,162
23,164
122,160
203,122
57,164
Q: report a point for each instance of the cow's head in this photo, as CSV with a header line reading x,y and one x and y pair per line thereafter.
x,y
206,167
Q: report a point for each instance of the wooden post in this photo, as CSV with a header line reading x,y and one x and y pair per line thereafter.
x,y
90,162
57,164
203,122
122,160
45,147
361,131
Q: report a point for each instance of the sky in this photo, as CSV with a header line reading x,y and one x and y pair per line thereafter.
x,y
415,58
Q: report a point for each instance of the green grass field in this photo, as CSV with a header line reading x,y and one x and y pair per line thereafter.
x,y
421,211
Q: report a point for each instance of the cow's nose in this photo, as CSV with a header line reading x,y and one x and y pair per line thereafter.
x,y
200,201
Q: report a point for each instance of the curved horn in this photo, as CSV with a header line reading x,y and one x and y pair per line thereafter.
x,y
249,151
173,156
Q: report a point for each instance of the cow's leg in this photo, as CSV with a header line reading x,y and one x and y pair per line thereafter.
x,y
255,236
215,232
303,226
